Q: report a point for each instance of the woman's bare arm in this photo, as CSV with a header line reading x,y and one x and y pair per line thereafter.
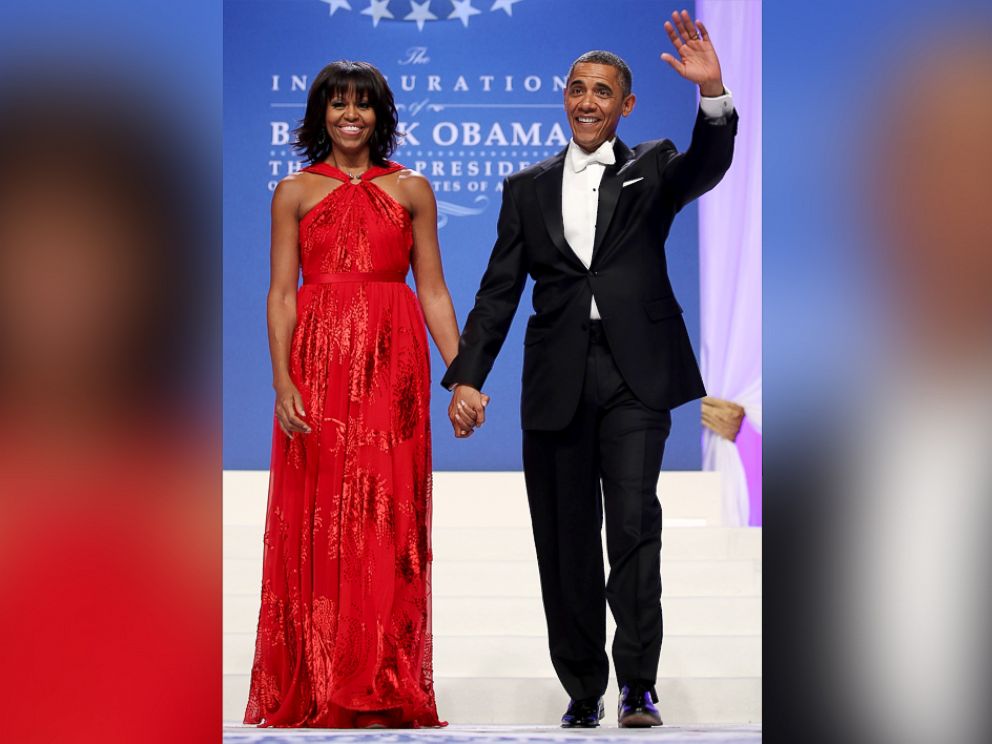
x,y
281,305
427,271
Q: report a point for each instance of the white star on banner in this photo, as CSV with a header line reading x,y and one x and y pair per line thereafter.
x,y
421,13
506,5
379,9
336,5
463,10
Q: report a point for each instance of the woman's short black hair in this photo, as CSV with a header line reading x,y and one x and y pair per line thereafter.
x,y
342,78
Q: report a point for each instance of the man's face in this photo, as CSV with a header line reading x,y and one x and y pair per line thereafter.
x,y
594,102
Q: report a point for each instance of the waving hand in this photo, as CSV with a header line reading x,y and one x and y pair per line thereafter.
x,y
697,60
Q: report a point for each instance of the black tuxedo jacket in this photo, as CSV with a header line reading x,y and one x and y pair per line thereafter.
x,y
639,197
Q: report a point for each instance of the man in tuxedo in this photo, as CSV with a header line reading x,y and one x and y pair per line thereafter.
x,y
606,358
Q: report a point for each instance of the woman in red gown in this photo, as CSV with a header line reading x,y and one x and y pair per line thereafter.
x,y
344,631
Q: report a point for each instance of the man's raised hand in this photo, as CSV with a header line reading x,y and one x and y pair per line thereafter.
x,y
697,60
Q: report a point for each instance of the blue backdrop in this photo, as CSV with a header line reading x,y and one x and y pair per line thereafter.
x,y
478,84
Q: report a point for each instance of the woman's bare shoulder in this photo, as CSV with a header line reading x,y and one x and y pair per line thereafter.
x,y
414,183
292,189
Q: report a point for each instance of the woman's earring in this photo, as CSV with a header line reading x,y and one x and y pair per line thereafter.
x,y
323,136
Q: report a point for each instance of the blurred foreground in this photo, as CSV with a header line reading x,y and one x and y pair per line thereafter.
x,y
109,413
878,276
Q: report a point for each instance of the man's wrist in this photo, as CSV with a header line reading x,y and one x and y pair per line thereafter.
x,y
717,108
712,90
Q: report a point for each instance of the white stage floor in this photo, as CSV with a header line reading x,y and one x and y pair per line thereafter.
x,y
464,734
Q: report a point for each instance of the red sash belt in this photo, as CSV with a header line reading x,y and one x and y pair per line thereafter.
x,y
355,276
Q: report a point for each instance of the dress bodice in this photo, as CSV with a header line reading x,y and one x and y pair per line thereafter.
x,y
357,227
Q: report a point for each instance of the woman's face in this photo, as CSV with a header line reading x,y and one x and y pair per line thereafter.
x,y
350,122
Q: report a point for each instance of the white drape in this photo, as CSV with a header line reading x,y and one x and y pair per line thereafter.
x,y
730,250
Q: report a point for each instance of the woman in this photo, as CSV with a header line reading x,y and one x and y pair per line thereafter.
x,y
344,636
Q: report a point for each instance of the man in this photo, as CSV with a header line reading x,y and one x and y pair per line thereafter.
x,y
606,358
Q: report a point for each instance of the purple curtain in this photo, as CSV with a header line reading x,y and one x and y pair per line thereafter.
x,y
730,263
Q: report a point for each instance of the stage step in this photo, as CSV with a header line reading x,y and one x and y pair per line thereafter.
x,y
490,639
517,543
686,578
527,656
491,700
492,500
486,616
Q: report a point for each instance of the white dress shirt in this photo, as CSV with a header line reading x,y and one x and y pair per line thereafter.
x,y
580,187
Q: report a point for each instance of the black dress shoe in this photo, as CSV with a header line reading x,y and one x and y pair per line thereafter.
x,y
585,713
636,709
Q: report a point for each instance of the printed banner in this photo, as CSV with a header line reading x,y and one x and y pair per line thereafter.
x,y
479,89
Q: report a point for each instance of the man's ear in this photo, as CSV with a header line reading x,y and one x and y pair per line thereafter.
x,y
628,104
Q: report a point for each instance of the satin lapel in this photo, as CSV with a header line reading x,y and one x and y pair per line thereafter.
x,y
609,192
548,186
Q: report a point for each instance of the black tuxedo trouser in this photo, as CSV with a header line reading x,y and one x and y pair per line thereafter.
x,y
613,440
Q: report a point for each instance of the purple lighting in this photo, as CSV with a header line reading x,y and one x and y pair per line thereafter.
x,y
730,264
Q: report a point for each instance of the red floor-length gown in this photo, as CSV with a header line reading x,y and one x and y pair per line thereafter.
x,y
345,621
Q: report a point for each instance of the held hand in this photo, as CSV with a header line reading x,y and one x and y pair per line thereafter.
x,y
723,417
467,410
289,410
697,60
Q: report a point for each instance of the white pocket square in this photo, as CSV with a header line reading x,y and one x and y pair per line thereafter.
x,y
633,180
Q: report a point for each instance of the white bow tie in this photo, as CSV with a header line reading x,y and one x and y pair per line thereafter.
x,y
579,158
